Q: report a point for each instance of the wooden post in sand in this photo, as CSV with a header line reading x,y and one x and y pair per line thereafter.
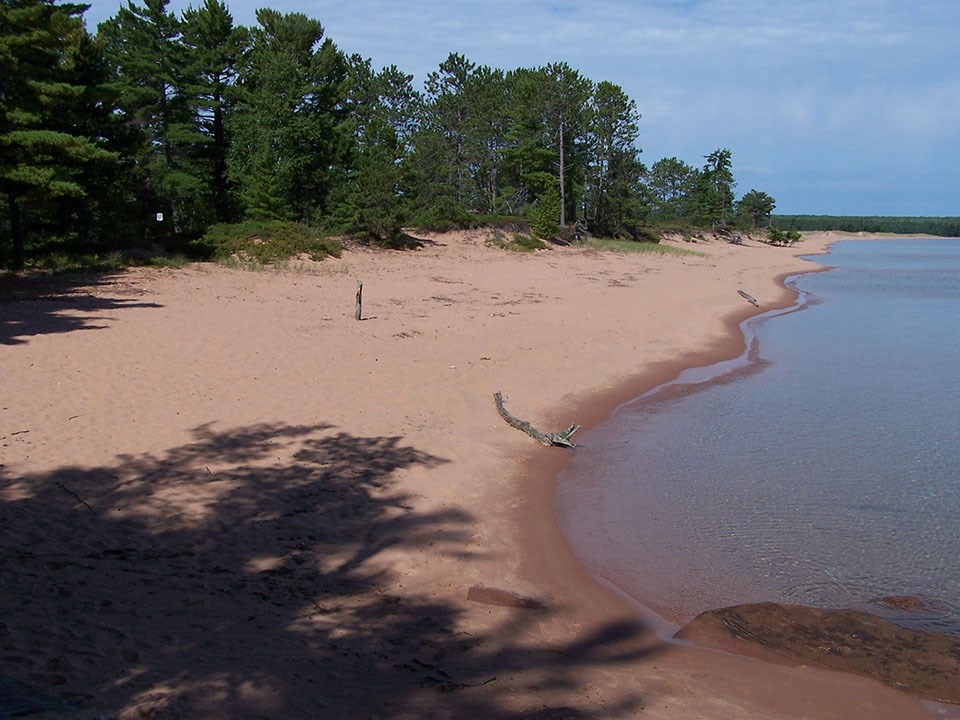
x,y
358,310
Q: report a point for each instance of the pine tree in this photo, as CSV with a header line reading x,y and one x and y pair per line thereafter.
x,y
213,51
613,195
43,151
289,120
143,44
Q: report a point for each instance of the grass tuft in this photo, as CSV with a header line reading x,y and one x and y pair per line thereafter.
x,y
519,242
632,246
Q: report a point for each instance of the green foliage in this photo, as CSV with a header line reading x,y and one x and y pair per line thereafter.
x,y
213,50
613,191
561,95
290,143
142,42
647,234
62,262
712,201
783,237
544,218
940,226
67,262
671,184
208,123
518,242
755,208
448,143
267,242
46,151
372,205
175,261
679,227
446,214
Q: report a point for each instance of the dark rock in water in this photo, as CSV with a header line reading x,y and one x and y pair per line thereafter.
x,y
924,663
503,598
904,602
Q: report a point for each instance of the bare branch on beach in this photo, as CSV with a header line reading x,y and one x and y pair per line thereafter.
x,y
548,439
79,499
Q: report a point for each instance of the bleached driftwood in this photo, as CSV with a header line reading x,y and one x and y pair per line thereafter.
x,y
749,298
548,439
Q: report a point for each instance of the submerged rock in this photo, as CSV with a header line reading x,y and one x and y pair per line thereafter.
x,y
924,663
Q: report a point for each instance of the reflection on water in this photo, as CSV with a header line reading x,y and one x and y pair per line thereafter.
x,y
821,471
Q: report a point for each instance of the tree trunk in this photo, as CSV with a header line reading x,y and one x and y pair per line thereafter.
x,y
220,202
16,230
563,183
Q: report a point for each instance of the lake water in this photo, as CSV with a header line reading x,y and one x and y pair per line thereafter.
x,y
822,468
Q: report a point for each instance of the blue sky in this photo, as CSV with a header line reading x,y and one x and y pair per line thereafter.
x,y
845,107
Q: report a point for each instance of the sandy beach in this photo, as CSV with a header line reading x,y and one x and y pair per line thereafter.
x,y
224,497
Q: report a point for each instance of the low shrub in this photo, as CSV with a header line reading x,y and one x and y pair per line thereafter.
x,y
783,237
519,242
62,262
267,241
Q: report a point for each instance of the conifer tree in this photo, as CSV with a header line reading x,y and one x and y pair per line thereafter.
x,y
288,126
43,151
213,51
143,44
613,193
382,116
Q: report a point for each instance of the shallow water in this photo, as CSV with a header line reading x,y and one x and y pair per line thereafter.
x,y
821,468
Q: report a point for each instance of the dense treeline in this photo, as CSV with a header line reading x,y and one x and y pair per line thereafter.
x,y
198,121
942,226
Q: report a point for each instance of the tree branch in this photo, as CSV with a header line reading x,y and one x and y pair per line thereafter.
x,y
548,439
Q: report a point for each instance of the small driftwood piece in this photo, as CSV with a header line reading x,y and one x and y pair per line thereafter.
x,y
548,439
358,309
80,500
749,298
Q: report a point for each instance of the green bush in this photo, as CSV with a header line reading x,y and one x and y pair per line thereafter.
x,y
445,215
545,217
267,241
177,260
520,242
782,237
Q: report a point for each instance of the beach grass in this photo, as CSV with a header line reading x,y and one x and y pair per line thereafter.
x,y
631,246
518,242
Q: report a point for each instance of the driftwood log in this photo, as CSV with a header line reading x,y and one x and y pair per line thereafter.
x,y
560,439
749,298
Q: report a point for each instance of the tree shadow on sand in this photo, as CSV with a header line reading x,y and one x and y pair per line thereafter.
x,y
44,304
247,575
